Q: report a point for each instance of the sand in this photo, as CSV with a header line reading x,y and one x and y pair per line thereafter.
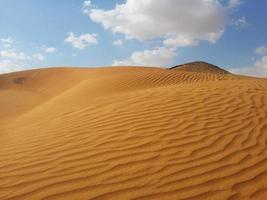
x,y
132,133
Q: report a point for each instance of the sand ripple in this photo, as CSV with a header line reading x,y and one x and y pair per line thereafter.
x,y
132,133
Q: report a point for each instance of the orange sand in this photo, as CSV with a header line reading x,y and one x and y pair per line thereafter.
x,y
132,133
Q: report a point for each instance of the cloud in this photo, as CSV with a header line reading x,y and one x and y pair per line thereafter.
x,y
261,50
13,60
161,56
7,66
49,49
259,68
87,5
234,3
80,42
38,56
13,54
177,22
118,43
7,41
240,22
180,41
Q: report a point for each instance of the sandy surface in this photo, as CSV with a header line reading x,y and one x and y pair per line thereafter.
x,y
132,133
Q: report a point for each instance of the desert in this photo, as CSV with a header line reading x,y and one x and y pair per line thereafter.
x,y
194,131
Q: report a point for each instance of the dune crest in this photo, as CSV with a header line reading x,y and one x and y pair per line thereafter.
x,y
194,131
201,67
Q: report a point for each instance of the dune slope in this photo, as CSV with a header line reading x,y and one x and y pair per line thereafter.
x,y
132,133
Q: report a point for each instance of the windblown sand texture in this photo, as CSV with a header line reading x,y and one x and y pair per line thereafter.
x,y
190,132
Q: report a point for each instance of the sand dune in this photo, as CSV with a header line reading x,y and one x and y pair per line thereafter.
x,y
191,132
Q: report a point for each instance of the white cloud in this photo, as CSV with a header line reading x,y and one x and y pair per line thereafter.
x,y
80,42
161,56
233,3
258,69
13,60
178,22
7,41
13,54
118,43
38,56
180,41
9,66
87,5
240,22
261,50
49,49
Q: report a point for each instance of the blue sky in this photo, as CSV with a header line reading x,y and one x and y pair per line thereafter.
x,y
44,33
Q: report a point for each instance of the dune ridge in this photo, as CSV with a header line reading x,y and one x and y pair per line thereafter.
x,y
133,133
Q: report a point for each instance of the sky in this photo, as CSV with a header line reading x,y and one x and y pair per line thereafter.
x,y
164,33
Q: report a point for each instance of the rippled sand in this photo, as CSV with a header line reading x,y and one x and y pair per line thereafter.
x,y
132,133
